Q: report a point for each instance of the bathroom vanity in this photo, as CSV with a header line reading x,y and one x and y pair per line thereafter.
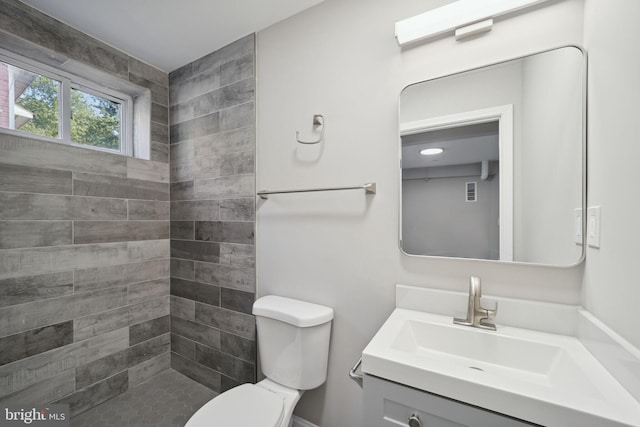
x,y
389,404
421,369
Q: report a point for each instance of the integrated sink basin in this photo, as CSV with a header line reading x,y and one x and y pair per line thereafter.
x,y
540,377
477,349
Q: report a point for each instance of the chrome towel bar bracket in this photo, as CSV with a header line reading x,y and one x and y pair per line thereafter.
x,y
354,375
369,188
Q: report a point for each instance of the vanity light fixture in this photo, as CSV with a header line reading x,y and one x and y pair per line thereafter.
x,y
431,151
457,16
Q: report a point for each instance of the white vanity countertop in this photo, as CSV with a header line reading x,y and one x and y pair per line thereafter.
x,y
543,377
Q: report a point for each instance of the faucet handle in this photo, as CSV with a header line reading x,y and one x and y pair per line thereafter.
x,y
485,321
490,306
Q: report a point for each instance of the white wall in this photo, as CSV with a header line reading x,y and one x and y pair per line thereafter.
x,y
487,88
341,249
549,158
438,220
611,287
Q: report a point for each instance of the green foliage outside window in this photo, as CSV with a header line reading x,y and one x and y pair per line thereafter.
x,y
95,120
41,99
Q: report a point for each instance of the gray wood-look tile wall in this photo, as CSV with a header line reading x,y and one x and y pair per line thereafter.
x,y
84,242
212,145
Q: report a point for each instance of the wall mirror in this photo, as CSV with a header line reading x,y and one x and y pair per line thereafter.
x,y
492,161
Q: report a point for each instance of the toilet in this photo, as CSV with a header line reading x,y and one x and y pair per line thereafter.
x,y
293,340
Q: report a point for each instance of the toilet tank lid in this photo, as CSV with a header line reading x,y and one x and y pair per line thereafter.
x,y
297,313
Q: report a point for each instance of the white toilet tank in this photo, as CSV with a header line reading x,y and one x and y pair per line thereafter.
x,y
293,338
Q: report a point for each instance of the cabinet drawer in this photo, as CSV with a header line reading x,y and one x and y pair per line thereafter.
x,y
388,404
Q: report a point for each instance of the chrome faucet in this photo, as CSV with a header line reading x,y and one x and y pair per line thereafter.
x,y
477,315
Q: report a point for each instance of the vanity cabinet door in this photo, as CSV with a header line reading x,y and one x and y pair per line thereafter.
x,y
388,404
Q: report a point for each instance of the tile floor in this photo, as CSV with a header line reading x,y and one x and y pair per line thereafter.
x,y
166,400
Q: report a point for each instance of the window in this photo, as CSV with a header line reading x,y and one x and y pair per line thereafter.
x,y
31,100
64,108
95,120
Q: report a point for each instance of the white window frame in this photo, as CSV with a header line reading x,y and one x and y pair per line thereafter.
x,y
68,82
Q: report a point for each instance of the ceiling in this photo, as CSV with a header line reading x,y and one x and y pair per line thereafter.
x,y
462,145
168,33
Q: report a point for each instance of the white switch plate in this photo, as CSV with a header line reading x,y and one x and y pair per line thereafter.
x,y
577,226
593,226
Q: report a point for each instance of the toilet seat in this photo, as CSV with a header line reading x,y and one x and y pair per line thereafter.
x,y
246,405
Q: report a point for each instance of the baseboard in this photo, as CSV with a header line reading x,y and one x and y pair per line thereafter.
x,y
299,422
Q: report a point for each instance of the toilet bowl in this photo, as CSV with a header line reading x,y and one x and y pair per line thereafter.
x,y
265,404
293,337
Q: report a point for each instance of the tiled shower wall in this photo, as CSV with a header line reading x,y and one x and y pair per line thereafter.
x,y
212,110
84,242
